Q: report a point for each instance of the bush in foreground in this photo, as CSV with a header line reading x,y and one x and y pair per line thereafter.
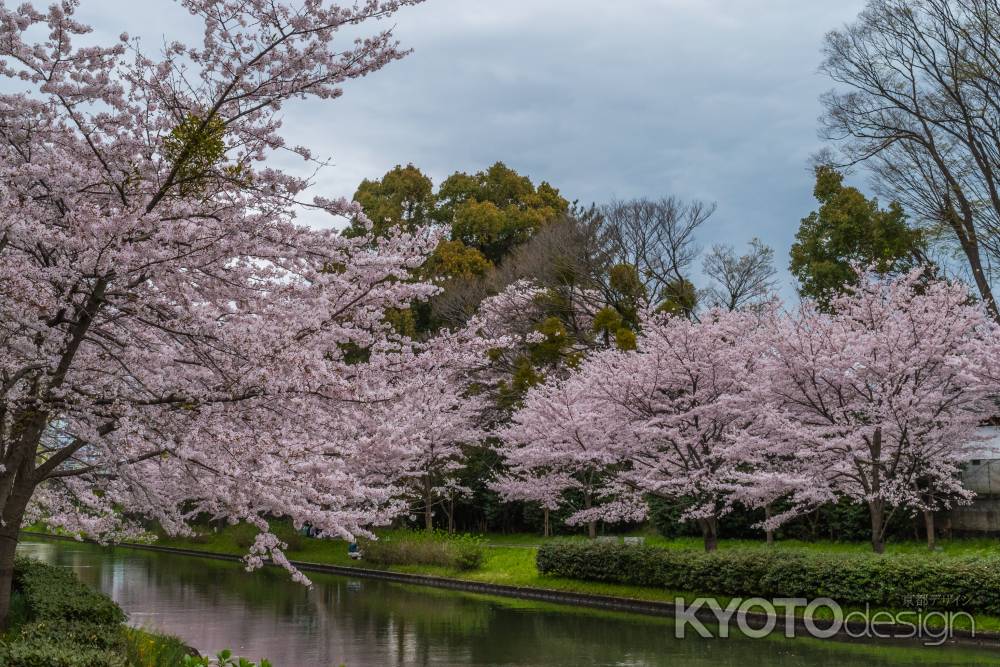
x,y
461,552
58,621
62,622
966,583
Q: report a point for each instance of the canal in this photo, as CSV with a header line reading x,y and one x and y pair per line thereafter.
x,y
359,622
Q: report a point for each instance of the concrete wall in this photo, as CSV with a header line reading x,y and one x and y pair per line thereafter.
x,y
983,515
982,476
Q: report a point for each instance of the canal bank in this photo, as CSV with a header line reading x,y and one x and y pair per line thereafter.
x,y
849,631
360,621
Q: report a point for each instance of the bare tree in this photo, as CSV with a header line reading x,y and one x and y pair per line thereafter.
x,y
739,281
566,256
922,104
657,237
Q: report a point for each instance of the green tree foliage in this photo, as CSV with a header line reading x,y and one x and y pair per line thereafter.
x,y
486,214
680,298
550,350
607,322
454,259
404,197
524,376
625,339
495,210
626,292
850,229
403,320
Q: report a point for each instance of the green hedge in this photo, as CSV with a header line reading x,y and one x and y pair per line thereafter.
x,y
58,621
62,622
968,583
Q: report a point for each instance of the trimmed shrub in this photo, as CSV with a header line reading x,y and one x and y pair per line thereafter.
x,y
58,621
54,593
63,622
461,552
966,583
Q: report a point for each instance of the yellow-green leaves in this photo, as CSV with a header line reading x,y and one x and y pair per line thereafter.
x,y
196,148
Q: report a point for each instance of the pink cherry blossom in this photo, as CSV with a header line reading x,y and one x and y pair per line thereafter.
x,y
662,420
879,399
172,342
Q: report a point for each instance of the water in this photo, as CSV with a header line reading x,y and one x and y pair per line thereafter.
x,y
363,622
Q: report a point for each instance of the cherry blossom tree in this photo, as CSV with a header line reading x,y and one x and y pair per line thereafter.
x,y
437,421
878,399
172,342
663,420
411,433
558,447
685,394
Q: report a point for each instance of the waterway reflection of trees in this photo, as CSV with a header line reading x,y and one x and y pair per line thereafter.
x,y
214,604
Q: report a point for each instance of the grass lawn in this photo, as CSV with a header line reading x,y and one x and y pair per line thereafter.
x,y
510,559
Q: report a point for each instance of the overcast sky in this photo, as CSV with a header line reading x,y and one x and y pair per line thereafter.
x,y
707,99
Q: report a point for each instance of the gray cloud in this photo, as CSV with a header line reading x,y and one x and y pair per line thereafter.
x,y
709,99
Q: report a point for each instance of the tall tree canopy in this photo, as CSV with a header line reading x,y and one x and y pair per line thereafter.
x,y
485,215
918,84
403,198
497,209
850,230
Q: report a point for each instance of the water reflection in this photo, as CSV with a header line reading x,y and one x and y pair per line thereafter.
x,y
362,622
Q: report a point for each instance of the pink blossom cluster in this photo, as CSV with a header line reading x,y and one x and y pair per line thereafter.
x,y
173,344
876,400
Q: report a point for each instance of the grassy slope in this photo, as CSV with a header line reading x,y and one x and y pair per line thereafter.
x,y
510,560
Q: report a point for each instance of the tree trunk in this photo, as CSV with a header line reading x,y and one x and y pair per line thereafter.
x,y
17,485
929,525
13,514
876,507
971,248
877,511
8,544
769,533
546,526
710,533
428,505
591,525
